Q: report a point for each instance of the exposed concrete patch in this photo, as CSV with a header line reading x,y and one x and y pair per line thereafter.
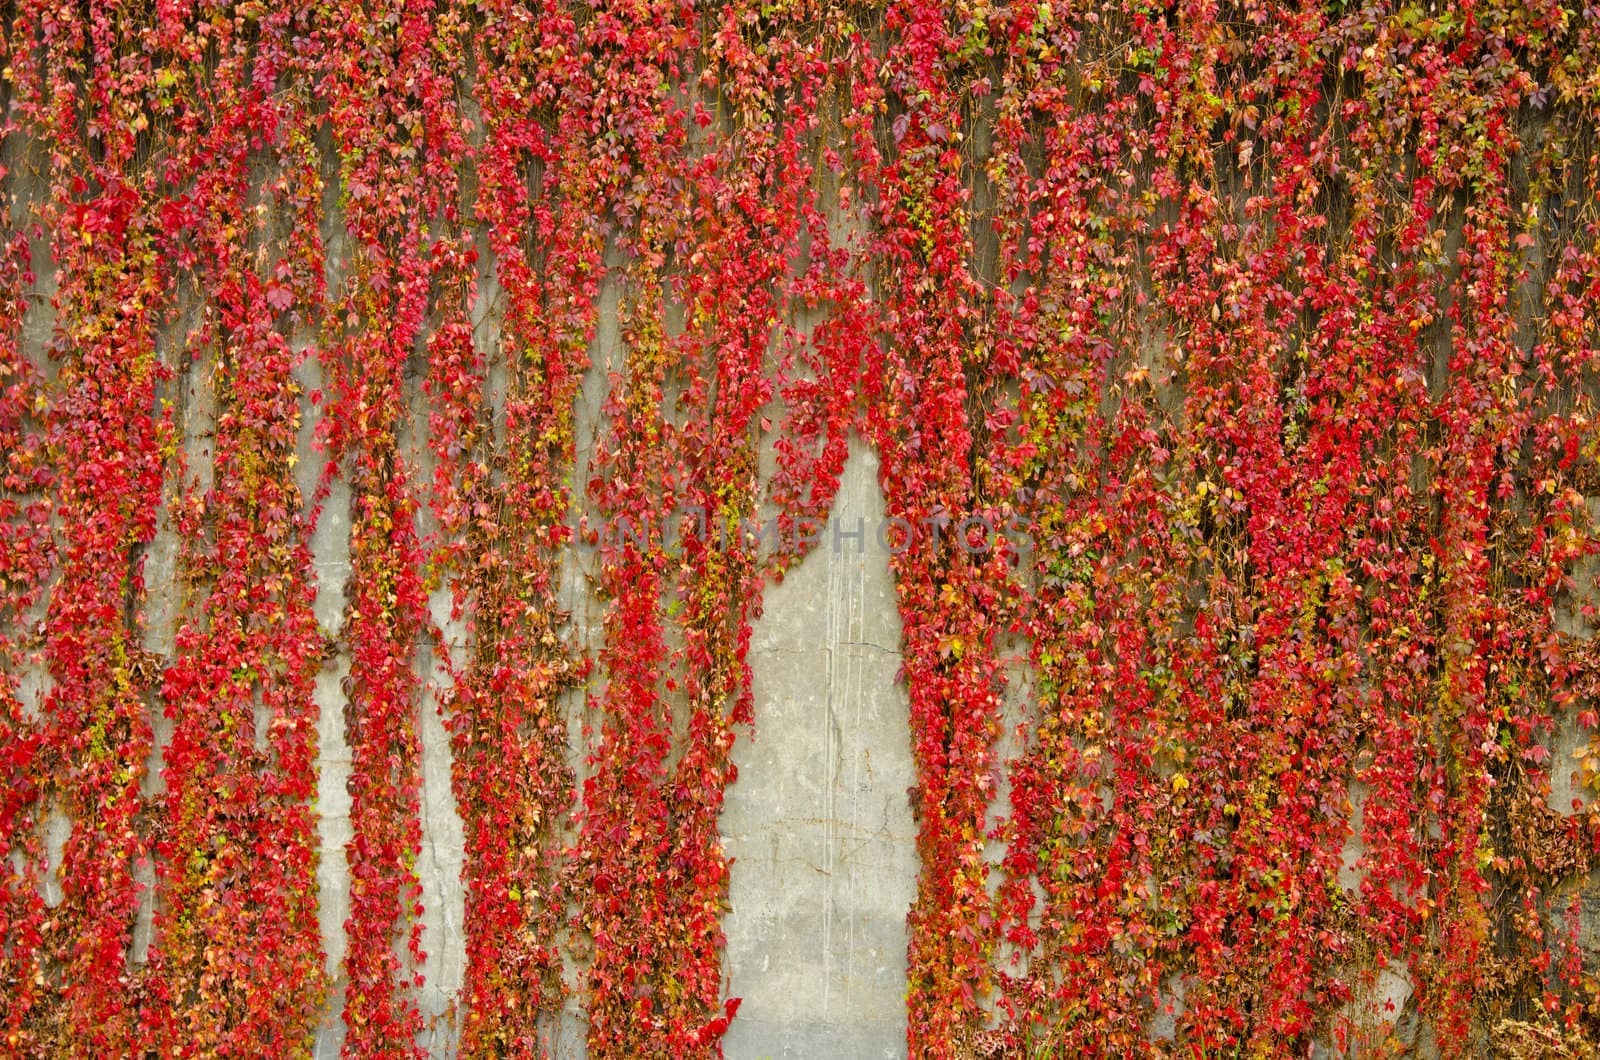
x,y
1588,939
1351,872
196,421
330,558
333,832
568,1032
486,317
329,513
144,875
1169,1009
331,567
329,1042
819,822
1585,592
57,831
26,160
33,689
163,604
1374,1017
333,811
1568,794
310,460
261,721
443,844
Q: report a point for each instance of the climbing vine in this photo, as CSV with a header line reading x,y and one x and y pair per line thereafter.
x,y
1232,371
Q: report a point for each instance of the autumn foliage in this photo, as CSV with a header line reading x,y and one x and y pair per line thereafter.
x,y
1276,324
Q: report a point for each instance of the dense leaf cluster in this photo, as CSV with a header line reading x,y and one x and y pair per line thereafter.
x,y
1274,322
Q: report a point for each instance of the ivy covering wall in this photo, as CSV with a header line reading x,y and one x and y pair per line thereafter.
x,y
1276,325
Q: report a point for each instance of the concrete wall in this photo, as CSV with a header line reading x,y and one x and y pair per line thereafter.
x,y
819,822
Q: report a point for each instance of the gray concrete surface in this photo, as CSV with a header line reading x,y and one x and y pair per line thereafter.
x,y
819,823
